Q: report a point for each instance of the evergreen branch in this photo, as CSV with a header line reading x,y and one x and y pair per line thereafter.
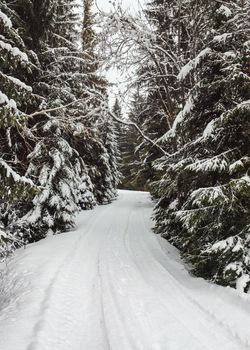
x,y
134,125
46,111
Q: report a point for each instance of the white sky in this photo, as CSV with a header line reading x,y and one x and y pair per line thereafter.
x,y
131,5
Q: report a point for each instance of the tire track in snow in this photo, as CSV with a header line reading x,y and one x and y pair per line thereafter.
x,y
59,287
113,288
240,336
161,303
185,297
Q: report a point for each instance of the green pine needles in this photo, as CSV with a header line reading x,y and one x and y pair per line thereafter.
x,y
204,206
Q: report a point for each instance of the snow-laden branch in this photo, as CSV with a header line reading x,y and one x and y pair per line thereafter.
x,y
55,109
134,125
10,173
105,106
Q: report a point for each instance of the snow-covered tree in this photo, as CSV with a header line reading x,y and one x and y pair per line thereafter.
x,y
103,158
17,70
153,47
110,141
58,151
54,207
16,99
50,166
204,205
136,151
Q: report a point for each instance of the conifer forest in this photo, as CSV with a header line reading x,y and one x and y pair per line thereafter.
x,y
101,101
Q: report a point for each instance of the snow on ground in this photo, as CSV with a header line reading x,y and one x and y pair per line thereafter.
x,y
112,284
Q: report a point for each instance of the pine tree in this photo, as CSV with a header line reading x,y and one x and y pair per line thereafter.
x,y
17,67
168,43
16,100
61,174
54,208
122,135
204,205
110,141
137,152
58,143
103,167
50,162
104,173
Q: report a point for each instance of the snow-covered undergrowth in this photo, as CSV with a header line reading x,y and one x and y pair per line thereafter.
x,y
112,284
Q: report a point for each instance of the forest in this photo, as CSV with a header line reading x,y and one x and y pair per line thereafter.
x,y
181,130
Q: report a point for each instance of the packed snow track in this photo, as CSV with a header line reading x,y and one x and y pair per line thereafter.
x,y
113,284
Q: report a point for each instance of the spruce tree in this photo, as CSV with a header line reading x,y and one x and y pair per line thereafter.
x,y
53,163
138,154
168,43
103,166
50,162
17,99
204,205
58,146
110,141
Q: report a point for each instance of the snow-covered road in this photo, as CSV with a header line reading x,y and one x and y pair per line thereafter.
x,y
112,284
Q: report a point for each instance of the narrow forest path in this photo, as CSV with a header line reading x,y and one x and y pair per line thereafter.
x,y
112,284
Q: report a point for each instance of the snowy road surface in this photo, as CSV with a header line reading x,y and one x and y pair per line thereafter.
x,y
112,284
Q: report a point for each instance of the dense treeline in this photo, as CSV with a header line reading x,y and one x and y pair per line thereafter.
x,y
189,66
205,190
57,141
193,90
